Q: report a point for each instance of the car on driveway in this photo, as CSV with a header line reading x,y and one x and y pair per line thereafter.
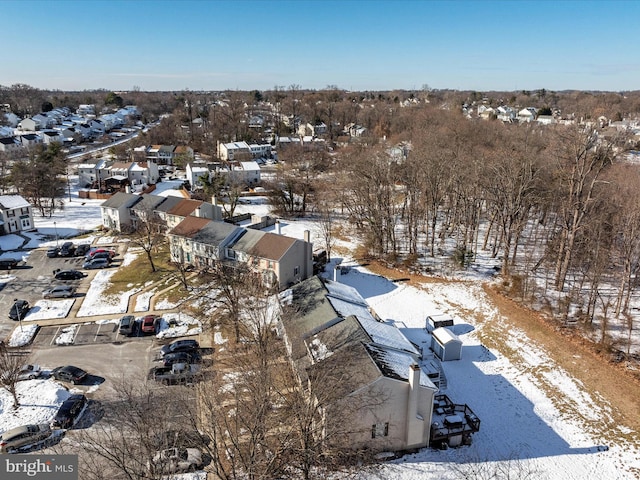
x,y
18,437
69,373
29,372
149,324
59,291
19,310
176,460
69,411
186,345
53,252
94,264
69,275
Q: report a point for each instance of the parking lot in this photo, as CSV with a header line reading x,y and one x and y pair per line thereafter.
x,y
88,333
31,278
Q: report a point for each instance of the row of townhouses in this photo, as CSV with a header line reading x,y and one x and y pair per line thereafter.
x,y
198,236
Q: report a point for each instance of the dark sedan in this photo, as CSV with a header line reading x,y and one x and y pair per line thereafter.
x,y
69,411
19,309
69,275
69,373
180,346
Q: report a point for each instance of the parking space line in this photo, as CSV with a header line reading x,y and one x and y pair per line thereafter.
x,y
55,335
95,338
75,335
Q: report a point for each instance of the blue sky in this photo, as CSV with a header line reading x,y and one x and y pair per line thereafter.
x,y
357,45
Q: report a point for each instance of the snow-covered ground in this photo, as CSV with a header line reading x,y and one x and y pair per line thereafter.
x,y
525,430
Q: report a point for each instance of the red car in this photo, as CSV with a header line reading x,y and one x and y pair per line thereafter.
x,y
148,324
112,253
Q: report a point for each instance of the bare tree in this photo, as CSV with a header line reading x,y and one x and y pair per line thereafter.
x,y
148,232
11,362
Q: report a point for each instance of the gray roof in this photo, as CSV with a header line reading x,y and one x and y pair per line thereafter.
x,y
149,203
215,233
121,199
168,203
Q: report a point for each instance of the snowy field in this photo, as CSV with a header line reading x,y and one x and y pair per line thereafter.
x,y
524,430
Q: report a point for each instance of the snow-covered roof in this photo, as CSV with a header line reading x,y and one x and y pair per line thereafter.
x,y
388,335
395,364
344,308
444,335
12,201
250,166
346,292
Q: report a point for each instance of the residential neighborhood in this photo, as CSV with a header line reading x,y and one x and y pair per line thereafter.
x,y
348,242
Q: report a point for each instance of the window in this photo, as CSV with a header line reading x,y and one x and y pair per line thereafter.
x,y
11,213
296,270
380,430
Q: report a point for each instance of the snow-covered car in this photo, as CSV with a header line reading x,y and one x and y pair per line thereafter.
x,y
59,291
176,460
29,372
17,437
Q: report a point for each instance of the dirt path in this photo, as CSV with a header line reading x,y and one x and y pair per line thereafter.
x,y
575,355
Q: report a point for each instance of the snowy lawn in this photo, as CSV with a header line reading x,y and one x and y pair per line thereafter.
x,y
47,309
97,303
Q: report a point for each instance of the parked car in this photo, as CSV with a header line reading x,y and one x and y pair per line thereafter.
x,y
8,263
82,249
94,264
181,357
59,291
178,373
127,325
69,275
69,411
180,346
176,460
19,310
29,372
69,373
18,437
53,252
67,249
94,252
149,324
106,255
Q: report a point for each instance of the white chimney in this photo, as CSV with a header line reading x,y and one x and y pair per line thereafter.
x,y
336,272
278,231
214,201
415,423
307,236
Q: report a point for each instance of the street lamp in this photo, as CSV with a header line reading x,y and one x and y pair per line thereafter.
x,y
15,304
56,229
